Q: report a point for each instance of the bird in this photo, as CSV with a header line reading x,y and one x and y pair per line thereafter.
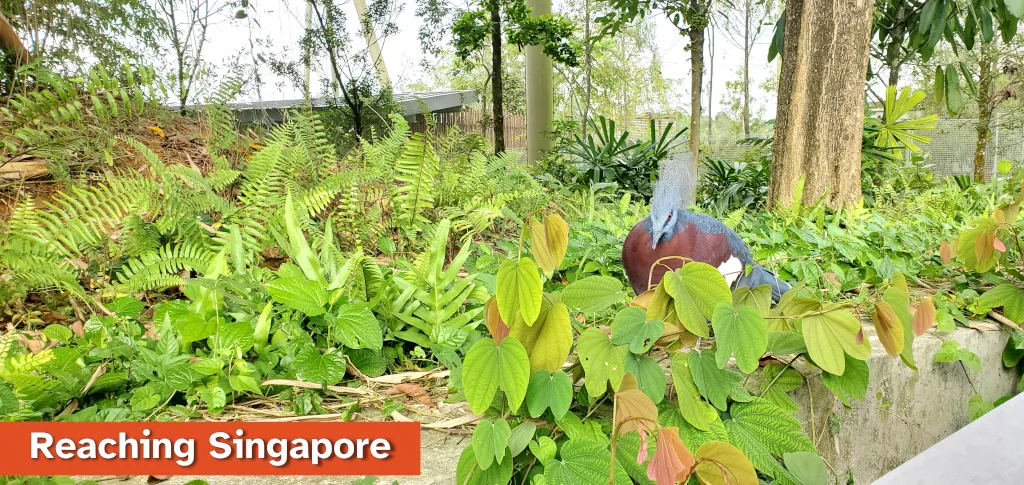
x,y
672,230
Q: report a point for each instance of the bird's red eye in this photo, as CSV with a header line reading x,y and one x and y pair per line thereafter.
x,y
669,217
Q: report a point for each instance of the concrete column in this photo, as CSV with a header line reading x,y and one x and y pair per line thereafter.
x,y
539,92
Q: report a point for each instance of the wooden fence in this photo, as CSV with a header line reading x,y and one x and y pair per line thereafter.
x,y
476,121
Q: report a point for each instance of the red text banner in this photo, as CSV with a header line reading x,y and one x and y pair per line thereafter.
x,y
42,448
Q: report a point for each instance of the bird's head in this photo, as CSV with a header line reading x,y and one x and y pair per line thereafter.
x,y
673,192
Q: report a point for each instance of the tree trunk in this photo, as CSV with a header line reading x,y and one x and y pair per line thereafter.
x,y
820,114
746,69
496,82
984,127
588,60
540,107
696,35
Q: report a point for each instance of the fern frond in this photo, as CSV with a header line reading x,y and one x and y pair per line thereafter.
x,y
160,269
415,175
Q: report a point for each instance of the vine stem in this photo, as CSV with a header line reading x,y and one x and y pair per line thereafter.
x,y
615,437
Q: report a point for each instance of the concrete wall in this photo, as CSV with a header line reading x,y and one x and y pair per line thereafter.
x,y
904,412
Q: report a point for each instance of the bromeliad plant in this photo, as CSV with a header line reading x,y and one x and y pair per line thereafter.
x,y
532,432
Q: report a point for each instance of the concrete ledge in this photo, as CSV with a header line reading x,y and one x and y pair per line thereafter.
x,y
905,412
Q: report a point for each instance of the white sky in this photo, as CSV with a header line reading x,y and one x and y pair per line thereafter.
x,y
282,21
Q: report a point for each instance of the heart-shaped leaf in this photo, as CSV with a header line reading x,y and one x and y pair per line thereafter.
x,y
719,463
696,289
548,340
740,331
634,411
602,361
548,241
490,440
888,327
632,328
924,317
489,366
672,462
519,290
549,390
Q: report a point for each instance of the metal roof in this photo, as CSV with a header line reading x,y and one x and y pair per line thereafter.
x,y
410,103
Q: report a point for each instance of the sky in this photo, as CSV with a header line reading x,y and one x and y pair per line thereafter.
x,y
282,22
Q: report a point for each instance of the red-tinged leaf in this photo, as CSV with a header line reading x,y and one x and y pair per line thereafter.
x,y
998,245
945,252
634,411
924,317
672,462
860,337
984,245
889,328
641,455
495,325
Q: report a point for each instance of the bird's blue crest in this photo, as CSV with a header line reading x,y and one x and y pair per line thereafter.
x,y
676,186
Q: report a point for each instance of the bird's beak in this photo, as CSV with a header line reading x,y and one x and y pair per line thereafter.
x,y
657,237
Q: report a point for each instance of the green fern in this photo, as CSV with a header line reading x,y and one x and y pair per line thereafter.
x,y
415,175
161,269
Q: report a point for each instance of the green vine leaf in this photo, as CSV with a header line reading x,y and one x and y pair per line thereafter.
x,y
764,431
952,352
975,246
759,298
1007,296
853,384
489,366
649,375
468,471
627,449
807,467
740,331
632,328
777,381
549,390
830,334
326,369
717,385
695,410
521,437
299,293
490,441
356,327
696,289
544,449
602,361
548,340
593,293
693,438
583,463
519,291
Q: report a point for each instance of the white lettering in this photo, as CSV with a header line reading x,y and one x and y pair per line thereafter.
x,y
184,451
38,446
65,449
379,447
105,453
216,443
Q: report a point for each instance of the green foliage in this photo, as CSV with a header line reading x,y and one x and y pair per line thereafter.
x,y
552,33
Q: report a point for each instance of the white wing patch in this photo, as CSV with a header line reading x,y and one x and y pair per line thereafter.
x,y
731,269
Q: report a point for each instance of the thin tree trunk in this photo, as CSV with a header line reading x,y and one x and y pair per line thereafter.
x,y
711,86
696,35
820,116
984,127
496,82
588,58
746,70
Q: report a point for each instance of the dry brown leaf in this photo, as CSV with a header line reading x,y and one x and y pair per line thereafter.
x,y
945,252
889,328
78,328
23,169
414,391
924,317
95,375
410,376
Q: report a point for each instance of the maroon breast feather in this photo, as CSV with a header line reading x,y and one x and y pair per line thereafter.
x,y
638,258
